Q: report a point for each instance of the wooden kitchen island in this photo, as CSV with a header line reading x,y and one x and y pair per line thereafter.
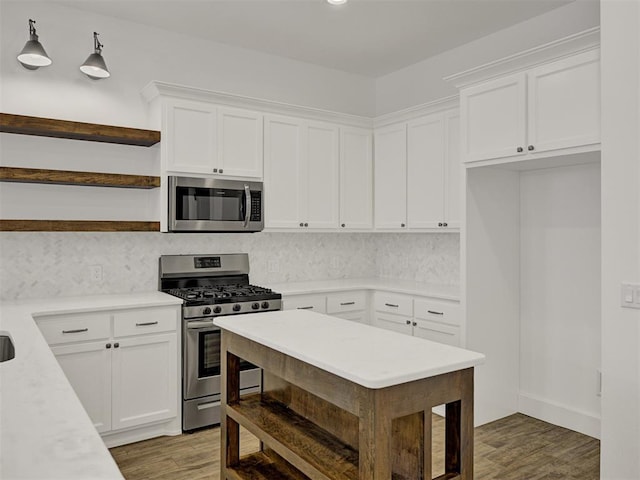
x,y
342,400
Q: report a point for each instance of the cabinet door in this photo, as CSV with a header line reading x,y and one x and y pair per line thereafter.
x,y
564,103
437,332
395,323
144,380
452,171
321,176
189,136
282,160
391,177
425,172
360,317
87,366
356,178
493,118
240,143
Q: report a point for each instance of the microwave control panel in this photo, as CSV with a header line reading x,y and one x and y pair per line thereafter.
x,y
256,206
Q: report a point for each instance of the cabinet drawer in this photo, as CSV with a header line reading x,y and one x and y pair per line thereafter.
x,y
360,317
79,327
346,302
437,311
395,323
315,303
143,321
437,332
393,303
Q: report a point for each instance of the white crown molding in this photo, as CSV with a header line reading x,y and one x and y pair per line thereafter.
x,y
407,114
571,45
155,89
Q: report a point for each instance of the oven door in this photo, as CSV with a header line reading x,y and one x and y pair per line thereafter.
x,y
202,362
214,205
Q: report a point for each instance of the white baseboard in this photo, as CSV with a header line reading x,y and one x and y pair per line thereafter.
x,y
557,414
115,439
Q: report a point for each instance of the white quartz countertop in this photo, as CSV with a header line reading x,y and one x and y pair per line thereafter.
x,y
445,292
45,433
369,356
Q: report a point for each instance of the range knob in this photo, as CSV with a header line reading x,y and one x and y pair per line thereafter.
x,y
265,304
206,311
217,309
255,306
236,307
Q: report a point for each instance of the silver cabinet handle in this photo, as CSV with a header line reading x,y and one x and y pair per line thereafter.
x,y
433,312
79,330
146,324
391,305
247,204
306,308
348,303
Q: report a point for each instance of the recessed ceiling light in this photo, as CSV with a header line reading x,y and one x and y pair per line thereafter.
x,y
336,2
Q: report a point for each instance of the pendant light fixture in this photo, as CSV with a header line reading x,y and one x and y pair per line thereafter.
x,y
33,55
94,66
337,2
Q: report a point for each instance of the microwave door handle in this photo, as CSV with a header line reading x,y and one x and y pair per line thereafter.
x,y
247,205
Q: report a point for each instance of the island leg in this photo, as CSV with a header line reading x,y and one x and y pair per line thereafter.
x,y
374,436
459,431
229,429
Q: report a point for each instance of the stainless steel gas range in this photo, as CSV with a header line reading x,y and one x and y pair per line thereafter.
x,y
211,286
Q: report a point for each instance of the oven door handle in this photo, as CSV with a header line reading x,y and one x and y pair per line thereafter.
x,y
247,205
201,324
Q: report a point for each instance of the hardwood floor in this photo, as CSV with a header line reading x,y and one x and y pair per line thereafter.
x,y
513,448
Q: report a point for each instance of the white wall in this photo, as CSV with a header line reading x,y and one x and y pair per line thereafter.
x,y
422,82
620,49
560,296
136,54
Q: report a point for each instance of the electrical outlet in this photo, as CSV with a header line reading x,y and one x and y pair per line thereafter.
x,y
273,266
95,273
630,295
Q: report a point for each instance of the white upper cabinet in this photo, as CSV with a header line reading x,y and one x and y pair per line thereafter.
x,y
189,136
202,138
282,153
493,118
356,178
564,103
240,142
320,179
417,169
301,174
391,177
551,107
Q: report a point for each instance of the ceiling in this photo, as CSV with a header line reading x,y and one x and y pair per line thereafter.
x,y
365,37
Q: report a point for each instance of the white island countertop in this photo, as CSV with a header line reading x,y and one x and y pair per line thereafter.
x,y
45,433
369,356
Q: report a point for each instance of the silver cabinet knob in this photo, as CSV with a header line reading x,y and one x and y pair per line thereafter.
x,y
530,147
220,170
215,170
520,149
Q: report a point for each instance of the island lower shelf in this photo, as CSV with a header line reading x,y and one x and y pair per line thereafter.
x,y
313,424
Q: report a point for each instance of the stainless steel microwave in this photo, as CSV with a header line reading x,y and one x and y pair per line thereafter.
x,y
214,205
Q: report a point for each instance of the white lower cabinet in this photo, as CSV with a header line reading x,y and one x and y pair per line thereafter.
x,y
143,380
395,323
88,369
434,320
123,365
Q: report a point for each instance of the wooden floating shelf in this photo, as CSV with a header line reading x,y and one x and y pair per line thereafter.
x,y
64,177
306,446
77,226
93,132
